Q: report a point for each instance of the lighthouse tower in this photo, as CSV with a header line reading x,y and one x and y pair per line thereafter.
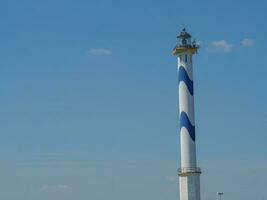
x,y
189,173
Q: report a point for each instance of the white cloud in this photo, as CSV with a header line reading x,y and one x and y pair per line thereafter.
x,y
172,178
221,45
100,52
247,42
55,188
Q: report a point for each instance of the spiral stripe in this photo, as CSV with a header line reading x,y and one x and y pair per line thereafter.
x,y
185,122
183,76
186,102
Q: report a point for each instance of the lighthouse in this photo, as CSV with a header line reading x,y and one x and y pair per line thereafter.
x,y
189,173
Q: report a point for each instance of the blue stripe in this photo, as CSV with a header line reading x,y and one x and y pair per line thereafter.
x,y
185,122
183,76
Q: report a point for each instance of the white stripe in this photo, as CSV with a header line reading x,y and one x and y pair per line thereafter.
x,y
188,149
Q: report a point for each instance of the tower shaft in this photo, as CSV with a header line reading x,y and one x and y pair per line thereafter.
x,y
188,173
186,111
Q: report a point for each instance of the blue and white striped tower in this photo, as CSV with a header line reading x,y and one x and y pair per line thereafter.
x,y
189,173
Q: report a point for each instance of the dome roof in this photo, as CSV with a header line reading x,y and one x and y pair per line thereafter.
x,y
184,34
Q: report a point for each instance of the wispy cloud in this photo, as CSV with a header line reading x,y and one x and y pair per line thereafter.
x,y
55,188
172,178
246,42
100,52
221,45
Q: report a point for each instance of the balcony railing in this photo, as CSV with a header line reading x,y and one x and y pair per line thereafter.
x,y
189,170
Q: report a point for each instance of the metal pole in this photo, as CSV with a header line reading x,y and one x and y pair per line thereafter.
x,y
220,195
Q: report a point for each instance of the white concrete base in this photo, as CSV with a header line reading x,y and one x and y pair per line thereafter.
x,y
190,187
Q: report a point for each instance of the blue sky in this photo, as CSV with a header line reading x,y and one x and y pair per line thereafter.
x,y
89,98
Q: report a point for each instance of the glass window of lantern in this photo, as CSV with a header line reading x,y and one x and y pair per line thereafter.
x,y
188,41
